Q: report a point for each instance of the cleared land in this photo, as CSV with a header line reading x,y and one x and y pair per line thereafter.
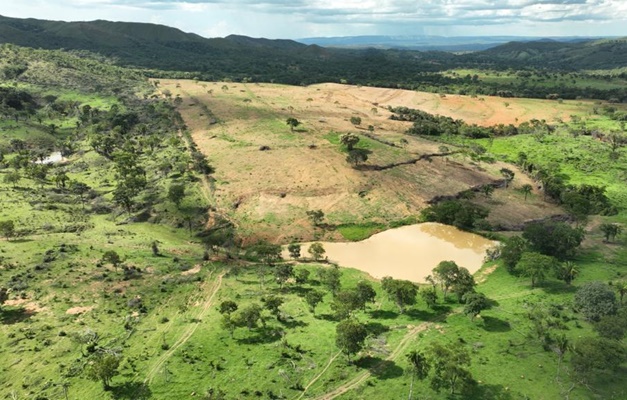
x,y
266,193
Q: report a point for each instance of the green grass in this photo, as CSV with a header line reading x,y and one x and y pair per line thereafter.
x,y
357,232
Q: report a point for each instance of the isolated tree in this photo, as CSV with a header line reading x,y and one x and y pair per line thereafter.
x,y
402,292
176,193
356,157
313,298
430,296
61,179
302,276
102,368
610,231
449,366
508,175
315,216
229,323
292,123
330,278
418,368
80,189
112,257
294,250
366,293
526,189
475,303
282,273
350,336
345,302
612,326
535,266
228,307
595,300
316,250
7,229
12,178
445,273
592,354
621,288
349,140
249,316
272,304
355,121
561,345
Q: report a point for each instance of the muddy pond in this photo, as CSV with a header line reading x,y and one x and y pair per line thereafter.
x,y
409,252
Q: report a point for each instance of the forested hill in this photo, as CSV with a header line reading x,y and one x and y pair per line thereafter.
x,y
235,57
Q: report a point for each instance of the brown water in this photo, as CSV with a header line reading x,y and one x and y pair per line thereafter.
x,y
409,252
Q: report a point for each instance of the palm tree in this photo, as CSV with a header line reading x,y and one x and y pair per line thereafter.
x,y
567,272
526,189
621,288
418,368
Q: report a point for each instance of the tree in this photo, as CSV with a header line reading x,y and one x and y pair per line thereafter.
x,y
621,288
7,229
463,283
566,271
418,368
366,293
526,189
345,302
302,276
555,239
294,250
402,292
487,190
511,251
313,298
61,179
316,250
292,123
315,216
110,256
350,336
355,120
611,326
349,140
560,347
508,175
272,304
227,307
228,323
475,303
449,365
249,316
282,273
445,273
12,178
176,193
330,278
79,189
597,354
535,266
595,300
610,231
430,296
102,368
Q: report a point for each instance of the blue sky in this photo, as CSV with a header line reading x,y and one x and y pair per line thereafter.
x,y
306,18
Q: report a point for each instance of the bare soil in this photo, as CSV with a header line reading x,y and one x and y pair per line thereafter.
x,y
267,193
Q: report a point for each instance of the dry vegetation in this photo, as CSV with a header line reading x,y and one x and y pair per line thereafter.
x,y
266,193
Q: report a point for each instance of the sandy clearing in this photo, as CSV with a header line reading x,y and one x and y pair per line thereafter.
x,y
79,310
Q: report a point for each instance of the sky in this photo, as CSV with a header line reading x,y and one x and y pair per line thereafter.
x,y
293,19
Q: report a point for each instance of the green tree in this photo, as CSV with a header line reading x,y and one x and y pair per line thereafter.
x,y
249,316
282,273
313,298
12,178
595,300
445,273
487,190
228,307
430,296
316,217
535,266
176,193
612,326
112,257
621,288
475,303
61,179
508,175
566,271
229,323
345,302
366,293
330,278
511,251
316,250
294,250
526,189
4,296
349,140
356,157
555,239
80,189
350,336
418,368
102,368
402,292
302,276
450,362
7,229
355,121
272,304
292,123
463,283
610,231
591,354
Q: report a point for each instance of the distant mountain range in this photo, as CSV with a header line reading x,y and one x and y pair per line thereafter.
x,y
236,57
431,43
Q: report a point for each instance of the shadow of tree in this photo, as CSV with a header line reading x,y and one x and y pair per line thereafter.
x,y
557,287
14,315
420,314
381,369
262,335
131,391
490,392
376,328
492,324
